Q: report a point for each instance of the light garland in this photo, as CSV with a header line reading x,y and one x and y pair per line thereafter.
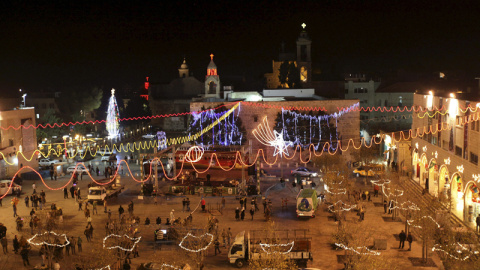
x,y
476,177
407,205
380,182
412,221
103,268
343,207
460,168
368,251
424,149
195,152
270,137
196,250
291,244
436,154
30,241
392,192
461,249
134,239
416,145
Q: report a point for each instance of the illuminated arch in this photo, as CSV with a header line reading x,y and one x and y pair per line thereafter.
x,y
442,174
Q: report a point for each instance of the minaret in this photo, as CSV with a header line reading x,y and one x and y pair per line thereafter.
x,y
183,70
212,80
304,56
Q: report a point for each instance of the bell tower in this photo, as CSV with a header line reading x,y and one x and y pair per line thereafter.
x,y
183,70
212,80
304,56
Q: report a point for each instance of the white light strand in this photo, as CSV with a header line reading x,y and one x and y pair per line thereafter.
x,y
270,137
194,154
476,177
380,182
46,243
342,205
459,250
340,191
169,267
369,251
412,221
408,205
103,268
196,250
436,154
392,192
291,244
135,242
424,149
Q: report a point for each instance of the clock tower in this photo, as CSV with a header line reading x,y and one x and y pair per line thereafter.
x,y
304,57
212,80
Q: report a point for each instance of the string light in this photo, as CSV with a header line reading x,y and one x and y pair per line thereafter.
x,y
380,182
134,239
66,242
169,267
200,249
459,249
407,205
476,177
392,192
342,207
112,117
424,148
412,222
195,151
291,244
103,268
356,250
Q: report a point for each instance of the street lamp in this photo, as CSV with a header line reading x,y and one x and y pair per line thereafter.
x,y
23,99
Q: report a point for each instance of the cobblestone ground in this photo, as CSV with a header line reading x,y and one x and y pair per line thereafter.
x,y
321,227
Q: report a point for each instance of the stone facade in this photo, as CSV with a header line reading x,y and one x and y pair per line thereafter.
x,y
252,116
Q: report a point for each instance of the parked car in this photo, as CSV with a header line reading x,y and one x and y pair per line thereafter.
x,y
148,136
80,169
302,171
109,157
45,162
4,184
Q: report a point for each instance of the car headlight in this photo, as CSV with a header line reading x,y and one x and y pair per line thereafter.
x,y
314,174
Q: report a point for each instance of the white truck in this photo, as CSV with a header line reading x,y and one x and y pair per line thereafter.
x,y
294,245
100,193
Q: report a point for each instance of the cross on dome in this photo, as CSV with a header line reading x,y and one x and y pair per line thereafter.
x,y
304,25
211,56
113,91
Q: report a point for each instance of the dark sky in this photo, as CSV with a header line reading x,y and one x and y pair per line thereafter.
x,y
58,44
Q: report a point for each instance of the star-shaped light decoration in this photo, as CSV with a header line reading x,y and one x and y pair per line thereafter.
x,y
416,145
476,177
436,154
447,161
281,146
424,148
265,135
460,168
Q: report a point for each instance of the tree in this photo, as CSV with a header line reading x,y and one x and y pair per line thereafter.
x,y
51,118
289,75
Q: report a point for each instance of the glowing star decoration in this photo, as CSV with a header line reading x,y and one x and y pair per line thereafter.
x,y
460,168
476,177
135,241
112,117
341,207
447,161
424,148
359,250
264,245
414,223
270,137
459,249
436,154
416,145
60,245
196,237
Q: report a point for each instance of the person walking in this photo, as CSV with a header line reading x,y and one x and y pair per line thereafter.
x,y
72,192
79,244
229,236
65,193
264,205
94,208
409,240
55,175
97,171
217,247
402,237
237,214
241,202
86,232
105,205
120,212
255,203
242,214
223,202
184,203
188,204
14,209
224,238
4,243
26,201
16,245
385,206
477,220
252,211
24,254
203,204
34,187
172,216
80,205
73,243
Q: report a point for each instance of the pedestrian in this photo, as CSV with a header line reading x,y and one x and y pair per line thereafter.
x,y
410,240
65,193
478,222
24,254
223,202
51,173
109,214
26,201
264,205
73,243
120,212
67,247
241,202
184,203
245,202
155,200
72,192
97,171
172,215
402,237
4,244
79,244
55,175
252,211
237,214
94,208
242,214
86,232
188,204
376,188
56,266
80,205
229,236
255,203
34,187
14,209
385,206
217,247
390,206
368,196
16,245
224,238
203,204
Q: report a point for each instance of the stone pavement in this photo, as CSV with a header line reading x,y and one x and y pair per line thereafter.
x,y
320,227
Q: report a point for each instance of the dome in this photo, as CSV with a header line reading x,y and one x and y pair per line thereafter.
x,y
184,64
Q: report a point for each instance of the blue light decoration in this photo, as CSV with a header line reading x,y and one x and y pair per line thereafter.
x,y
228,132
305,129
162,140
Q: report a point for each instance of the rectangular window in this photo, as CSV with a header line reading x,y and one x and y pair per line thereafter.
x,y
10,142
458,151
473,158
255,118
386,103
346,91
472,124
445,145
434,140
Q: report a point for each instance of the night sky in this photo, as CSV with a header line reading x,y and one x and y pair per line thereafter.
x,y
114,44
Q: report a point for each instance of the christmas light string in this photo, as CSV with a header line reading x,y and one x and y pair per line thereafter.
x,y
169,267
393,109
380,182
103,268
368,251
460,249
392,192
291,245
292,108
413,222
197,237
407,205
342,207
387,118
66,242
134,239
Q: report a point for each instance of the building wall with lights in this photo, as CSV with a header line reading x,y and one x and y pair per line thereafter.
x,y
446,161
348,125
22,140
